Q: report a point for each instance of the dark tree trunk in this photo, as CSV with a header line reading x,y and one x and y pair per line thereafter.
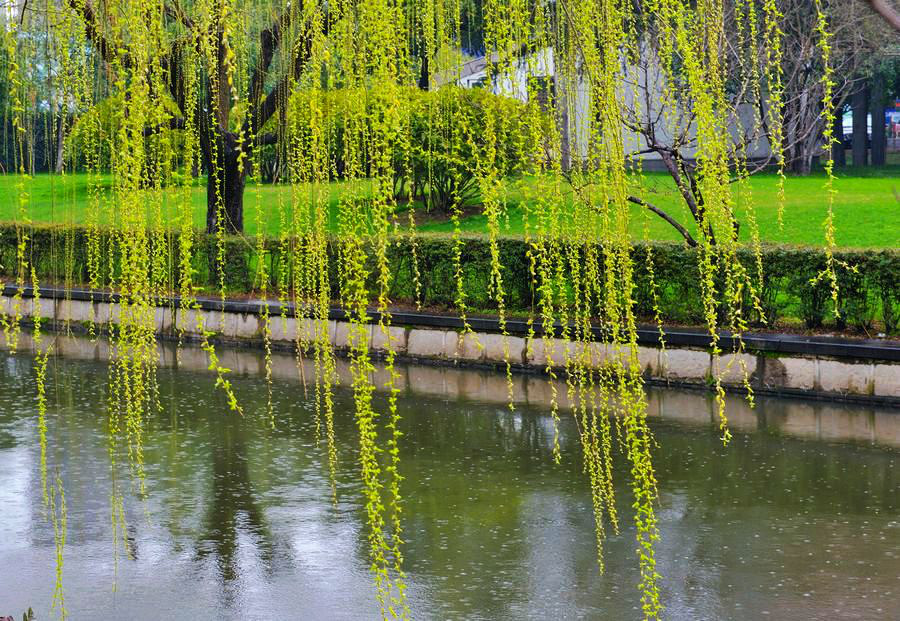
x,y
879,137
225,188
60,144
860,126
424,72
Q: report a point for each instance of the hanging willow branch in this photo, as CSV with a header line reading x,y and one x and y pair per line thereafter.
x,y
164,91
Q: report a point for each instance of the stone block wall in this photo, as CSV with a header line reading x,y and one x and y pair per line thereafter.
x,y
792,374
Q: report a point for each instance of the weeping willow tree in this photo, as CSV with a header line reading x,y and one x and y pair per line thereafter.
x,y
165,90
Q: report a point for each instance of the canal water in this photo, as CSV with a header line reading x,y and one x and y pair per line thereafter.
x,y
799,518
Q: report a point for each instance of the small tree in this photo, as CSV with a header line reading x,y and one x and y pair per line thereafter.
x,y
660,109
226,99
858,38
447,138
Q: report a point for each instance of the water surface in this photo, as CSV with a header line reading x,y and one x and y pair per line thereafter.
x,y
237,522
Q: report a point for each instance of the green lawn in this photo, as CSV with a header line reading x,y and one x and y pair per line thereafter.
x,y
867,211
867,207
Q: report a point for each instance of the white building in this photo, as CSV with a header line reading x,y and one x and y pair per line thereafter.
x,y
644,88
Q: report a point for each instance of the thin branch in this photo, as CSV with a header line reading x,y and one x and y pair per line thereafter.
x,y
106,51
662,214
567,175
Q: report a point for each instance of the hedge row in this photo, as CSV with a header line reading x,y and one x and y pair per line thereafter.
x,y
869,280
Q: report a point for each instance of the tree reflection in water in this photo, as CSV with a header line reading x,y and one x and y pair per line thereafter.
x,y
233,518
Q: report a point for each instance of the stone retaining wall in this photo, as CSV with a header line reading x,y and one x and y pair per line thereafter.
x,y
834,378
798,418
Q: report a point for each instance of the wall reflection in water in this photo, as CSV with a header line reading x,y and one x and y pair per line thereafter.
x,y
808,419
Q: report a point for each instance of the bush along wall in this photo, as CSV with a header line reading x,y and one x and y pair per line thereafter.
x,y
869,280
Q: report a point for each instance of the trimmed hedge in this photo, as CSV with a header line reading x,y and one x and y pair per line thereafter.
x,y
869,292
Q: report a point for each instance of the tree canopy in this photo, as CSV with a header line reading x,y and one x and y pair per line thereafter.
x,y
577,94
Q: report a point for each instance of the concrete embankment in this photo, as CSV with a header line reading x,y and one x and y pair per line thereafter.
x,y
830,421
819,367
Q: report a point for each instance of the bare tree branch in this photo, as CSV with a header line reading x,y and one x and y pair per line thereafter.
x,y
269,40
662,214
94,34
264,110
176,12
887,12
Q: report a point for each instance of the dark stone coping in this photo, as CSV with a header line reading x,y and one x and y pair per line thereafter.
x,y
834,347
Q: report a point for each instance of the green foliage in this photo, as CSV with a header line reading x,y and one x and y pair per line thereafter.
x,y
65,200
89,143
447,139
136,70
870,295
